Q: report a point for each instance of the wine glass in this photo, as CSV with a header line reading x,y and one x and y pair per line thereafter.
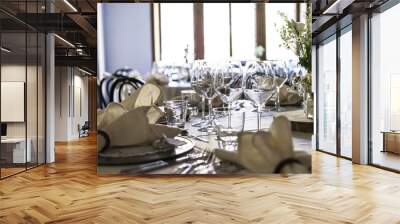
x,y
228,85
281,77
259,86
206,84
194,80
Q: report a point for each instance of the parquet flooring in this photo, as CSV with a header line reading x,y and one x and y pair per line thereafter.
x,y
70,191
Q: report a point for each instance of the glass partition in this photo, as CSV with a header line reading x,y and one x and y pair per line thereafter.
x,y
22,107
14,144
326,96
32,97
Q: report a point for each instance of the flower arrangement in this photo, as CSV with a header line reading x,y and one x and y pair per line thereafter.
x,y
297,37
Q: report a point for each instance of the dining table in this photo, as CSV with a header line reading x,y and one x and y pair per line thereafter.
x,y
200,159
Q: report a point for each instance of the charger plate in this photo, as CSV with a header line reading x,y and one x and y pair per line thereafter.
x,y
142,154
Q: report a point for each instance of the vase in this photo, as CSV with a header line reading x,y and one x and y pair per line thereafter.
x,y
308,105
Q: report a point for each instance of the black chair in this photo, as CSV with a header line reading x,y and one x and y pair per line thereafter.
x,y
110,88
84,130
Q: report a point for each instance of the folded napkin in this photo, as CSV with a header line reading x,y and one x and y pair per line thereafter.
x,y
133,128
287,96
158,79
149,94
263,151
108,115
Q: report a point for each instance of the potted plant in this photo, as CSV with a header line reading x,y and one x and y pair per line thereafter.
x,y
297,37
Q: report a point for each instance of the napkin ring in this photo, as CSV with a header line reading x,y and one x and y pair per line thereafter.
x,y
106,138
285,162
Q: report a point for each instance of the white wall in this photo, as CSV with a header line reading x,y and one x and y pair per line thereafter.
x,y
33,126
124,37
71,96
16,73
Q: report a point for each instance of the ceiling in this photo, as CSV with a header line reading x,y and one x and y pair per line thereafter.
x,y
74,22
332,15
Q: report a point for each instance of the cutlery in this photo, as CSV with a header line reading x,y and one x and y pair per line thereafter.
x,y
199,163
145,167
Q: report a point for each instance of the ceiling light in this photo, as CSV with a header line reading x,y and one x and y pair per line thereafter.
x,y
64,40
5,50
84,71
70,5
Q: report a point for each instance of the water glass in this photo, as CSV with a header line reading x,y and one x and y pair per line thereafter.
x,y
190,96
227,131
175,112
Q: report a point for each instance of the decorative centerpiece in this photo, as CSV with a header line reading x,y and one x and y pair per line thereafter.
x,y
297,36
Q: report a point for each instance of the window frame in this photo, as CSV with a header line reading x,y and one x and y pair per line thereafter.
x,y
339,32
198,26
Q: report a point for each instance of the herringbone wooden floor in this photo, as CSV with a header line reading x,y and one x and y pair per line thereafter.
x,y
70,191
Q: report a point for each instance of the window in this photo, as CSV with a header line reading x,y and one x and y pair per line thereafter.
x,y
176,31
274,21
243,30
385,88
216,31
327,95
346,93
229,30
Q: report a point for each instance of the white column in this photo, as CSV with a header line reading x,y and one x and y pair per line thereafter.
x,y
50,99
100,42
360,90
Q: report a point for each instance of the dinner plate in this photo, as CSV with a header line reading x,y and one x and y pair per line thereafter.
x,y
142,154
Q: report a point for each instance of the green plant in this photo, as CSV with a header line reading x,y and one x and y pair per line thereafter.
x,y
297,36
306,82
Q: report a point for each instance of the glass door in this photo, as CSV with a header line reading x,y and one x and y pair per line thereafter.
x,y
22,77
326,96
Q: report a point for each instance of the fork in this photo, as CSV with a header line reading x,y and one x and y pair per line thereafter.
x,y
199,164
189,166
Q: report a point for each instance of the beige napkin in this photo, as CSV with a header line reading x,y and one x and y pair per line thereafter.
x,y
108,115
135,127
287,96
262,151
149,94
158,79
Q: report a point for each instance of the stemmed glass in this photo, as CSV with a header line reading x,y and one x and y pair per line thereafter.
x,y
197,68
206,84
228,85
281,76
259,86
